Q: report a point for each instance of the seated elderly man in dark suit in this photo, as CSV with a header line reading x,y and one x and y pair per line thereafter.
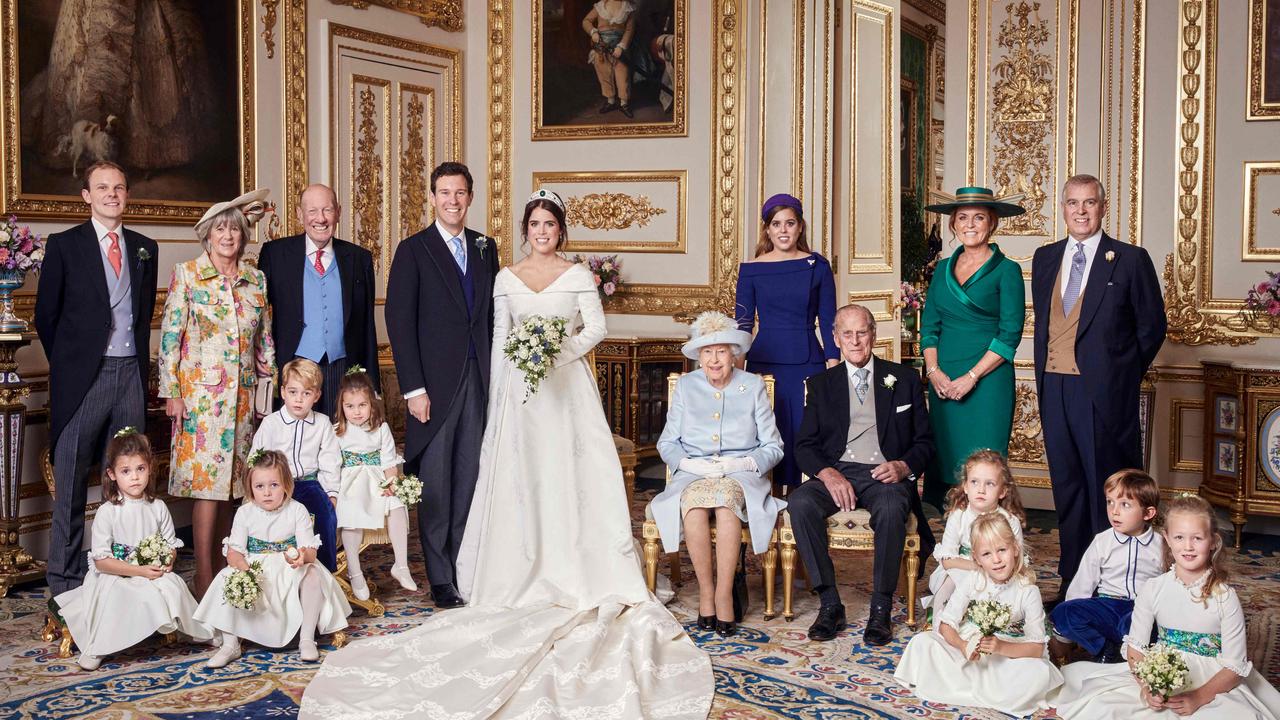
x,y
864,438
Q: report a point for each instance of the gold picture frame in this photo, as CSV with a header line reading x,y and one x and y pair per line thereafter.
x,y
34,183
577,93
1264,60
600,213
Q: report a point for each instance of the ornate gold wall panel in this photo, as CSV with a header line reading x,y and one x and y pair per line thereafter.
x,y
445,14
371,148
1026,445
417,155
1264,211
1259,108
615,211
872,22
500,28
1177,460
881,303
296,166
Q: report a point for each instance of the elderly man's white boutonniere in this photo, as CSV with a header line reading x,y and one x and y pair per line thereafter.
x,y
890,381
1111,255
482,242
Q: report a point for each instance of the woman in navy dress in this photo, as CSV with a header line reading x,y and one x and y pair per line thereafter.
x,y
788,287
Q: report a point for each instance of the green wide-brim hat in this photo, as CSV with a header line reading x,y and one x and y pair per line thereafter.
x,y
980,196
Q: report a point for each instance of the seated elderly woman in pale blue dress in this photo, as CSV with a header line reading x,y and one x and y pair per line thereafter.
x,y
719,442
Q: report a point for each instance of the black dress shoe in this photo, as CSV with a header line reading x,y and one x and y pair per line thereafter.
x,y
1110,654
608,107
446,596
725,628
831,620
706,622
626,110
879,627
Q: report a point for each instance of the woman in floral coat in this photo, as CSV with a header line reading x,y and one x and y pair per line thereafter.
x,y
215,343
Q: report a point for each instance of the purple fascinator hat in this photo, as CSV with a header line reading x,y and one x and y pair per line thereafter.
x,y
781,200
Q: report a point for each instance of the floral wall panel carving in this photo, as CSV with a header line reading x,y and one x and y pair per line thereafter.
x,y
417,155
623,211
1026,446
369,200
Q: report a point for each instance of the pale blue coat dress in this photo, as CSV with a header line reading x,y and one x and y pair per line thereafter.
x,y
703,421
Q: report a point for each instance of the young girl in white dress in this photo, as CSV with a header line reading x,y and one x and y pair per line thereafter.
x,y
368,457
122,603
987,486
1008,671
299,596
1193,610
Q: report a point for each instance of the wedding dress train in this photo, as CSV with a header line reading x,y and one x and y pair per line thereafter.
x,y
559,622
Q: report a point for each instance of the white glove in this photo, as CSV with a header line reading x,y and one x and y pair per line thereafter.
x,y
739,464
703,467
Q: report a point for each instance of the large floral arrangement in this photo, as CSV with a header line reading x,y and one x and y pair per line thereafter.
x,y
1265,296
1163,670
607,270
533,346
20,249
910,297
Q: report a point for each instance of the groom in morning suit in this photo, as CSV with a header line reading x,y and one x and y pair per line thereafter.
x,y
864,439
440,322
1099,323
93,313
320,290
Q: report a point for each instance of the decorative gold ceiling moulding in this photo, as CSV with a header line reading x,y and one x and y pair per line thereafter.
x,y
883,16
935,9
444,14
728,59
1190,322
295,110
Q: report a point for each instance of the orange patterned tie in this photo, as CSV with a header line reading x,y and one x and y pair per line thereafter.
x,y
113,252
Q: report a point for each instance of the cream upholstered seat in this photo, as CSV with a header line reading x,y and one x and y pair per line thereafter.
x,y
653,540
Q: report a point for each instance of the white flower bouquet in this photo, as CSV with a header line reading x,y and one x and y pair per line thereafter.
x,y
989,617
533,346
243,587
1162,670
407,489
153,550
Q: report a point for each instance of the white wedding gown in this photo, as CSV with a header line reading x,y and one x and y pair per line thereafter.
x,y
559,622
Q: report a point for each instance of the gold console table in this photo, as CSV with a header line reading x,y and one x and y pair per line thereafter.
x,y
1242,439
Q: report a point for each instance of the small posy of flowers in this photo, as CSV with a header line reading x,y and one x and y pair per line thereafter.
x,y
242,588
533,346
153,550
607,270
989,616
20,248
407,489
910,297
1162,670
1265,296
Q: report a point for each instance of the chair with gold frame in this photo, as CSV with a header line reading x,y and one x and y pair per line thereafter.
x,y
652,540
851,531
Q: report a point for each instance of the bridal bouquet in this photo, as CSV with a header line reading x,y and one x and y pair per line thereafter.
x,y
243,587
1162,670
989,617
153,550
533,346
407,489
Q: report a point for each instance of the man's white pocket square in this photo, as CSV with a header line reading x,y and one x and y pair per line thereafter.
x,y
904,408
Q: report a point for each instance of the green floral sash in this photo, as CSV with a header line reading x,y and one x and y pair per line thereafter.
x,y
259,547
355,459
1196,643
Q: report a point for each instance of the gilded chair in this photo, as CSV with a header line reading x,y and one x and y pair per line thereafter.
x,y
652,539
851,531
373,607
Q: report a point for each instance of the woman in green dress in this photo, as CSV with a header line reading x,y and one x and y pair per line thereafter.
x,y
970,329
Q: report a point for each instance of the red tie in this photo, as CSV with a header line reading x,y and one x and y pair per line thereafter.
x,y
113,252
319,265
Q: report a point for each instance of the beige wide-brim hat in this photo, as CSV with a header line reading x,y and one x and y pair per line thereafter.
x,y
253,205
715,328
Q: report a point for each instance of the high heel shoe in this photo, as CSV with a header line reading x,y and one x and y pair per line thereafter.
x,y
706,622
725,628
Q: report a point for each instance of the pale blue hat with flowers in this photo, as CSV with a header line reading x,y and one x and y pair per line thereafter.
x,y
715,328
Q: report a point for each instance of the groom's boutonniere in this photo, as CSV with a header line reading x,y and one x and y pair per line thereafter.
x,y
482,242
890,381
143,255
1111,255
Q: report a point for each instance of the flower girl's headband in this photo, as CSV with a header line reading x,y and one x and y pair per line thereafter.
x,y
126,431
544,194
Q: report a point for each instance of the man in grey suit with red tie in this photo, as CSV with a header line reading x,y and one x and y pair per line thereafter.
x,y
93,313
1099,323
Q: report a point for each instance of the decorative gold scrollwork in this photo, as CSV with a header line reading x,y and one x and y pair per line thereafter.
x,y
368,180
1026,443
413,167
1024,111
444,14
269,26
609,211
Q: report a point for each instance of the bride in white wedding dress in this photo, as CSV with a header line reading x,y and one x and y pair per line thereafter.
x,y
559,622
